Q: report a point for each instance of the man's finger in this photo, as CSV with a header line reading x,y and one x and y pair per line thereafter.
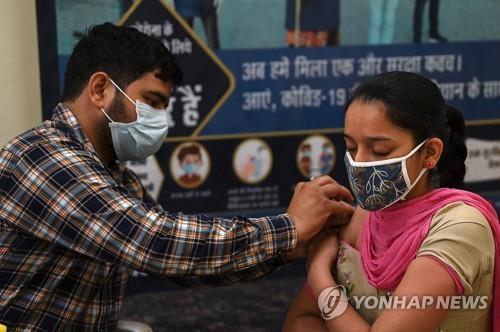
x,y
336,223
323,180
337,192
299,186
340,207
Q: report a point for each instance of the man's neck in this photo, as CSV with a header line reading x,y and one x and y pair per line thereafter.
x,y
93,128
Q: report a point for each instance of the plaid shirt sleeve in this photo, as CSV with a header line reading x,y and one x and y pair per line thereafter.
x,y
250,273
63,194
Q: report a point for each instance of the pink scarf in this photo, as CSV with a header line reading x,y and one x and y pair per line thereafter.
x,y
391,238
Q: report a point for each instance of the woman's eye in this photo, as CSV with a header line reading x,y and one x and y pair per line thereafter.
x,y
380,153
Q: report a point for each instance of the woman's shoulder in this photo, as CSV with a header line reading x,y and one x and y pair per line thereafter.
x,y
351,233
460,227
461,237
459,215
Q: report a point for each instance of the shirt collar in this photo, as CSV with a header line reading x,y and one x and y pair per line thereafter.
x,y
63,114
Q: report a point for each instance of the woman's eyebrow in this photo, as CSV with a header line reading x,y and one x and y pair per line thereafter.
x,y
379,138
372,138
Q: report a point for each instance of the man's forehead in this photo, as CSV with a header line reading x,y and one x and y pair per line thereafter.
x,y
149,82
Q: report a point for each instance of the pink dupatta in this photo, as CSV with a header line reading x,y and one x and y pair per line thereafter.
x,y
391,238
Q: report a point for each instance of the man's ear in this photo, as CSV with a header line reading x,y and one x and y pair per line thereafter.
x,y
100,90
432,152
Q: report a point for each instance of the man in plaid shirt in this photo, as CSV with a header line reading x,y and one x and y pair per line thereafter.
x,y
74,221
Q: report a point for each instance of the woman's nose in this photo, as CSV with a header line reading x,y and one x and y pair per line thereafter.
x,y
361,155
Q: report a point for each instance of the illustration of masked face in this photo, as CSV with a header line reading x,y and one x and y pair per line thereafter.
x,y
258,162
191,164
306,152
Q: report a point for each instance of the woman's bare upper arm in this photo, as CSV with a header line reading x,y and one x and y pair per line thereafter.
x,y
424,278
351,233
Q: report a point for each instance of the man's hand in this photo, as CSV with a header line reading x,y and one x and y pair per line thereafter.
x,y
316,202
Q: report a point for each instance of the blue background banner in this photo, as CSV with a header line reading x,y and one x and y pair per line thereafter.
x,y
307,88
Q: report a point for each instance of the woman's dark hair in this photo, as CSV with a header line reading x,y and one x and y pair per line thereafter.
x,y
123,53
415,103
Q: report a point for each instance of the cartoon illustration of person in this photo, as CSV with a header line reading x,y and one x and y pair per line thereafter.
x,y
312,23
305,161
206,10
190,160
252,161
252,169
434,35
315,156
326,159
382,21
258,162
248,168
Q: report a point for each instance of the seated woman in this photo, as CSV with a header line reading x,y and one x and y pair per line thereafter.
x,y
411,235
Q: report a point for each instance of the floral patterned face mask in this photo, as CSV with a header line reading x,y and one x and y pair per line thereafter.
x,y
379,184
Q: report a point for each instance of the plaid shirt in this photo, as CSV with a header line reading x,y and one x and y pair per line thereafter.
x,y
71,229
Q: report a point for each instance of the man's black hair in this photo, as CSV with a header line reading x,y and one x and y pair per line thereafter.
x,y
124,53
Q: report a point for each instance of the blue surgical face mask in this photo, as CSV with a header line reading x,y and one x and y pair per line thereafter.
x,y
380,184
139,139
306,154
189,168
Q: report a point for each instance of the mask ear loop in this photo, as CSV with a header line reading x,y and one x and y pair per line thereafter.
x,y
407,177
405,172
123,92
402,198
422,172
126,95
106,114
